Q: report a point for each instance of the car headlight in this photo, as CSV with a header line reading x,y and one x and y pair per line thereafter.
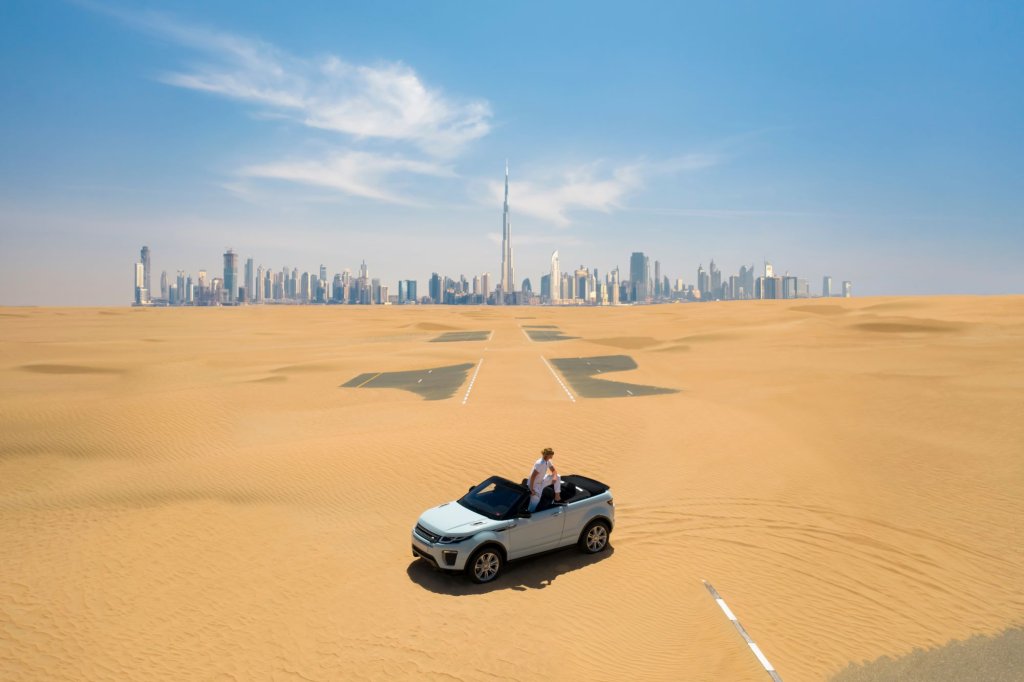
x,y
453,539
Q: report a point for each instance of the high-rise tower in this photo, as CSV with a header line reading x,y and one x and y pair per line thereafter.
x,y
508,280
140,283
640,277
146,281
231,275
250,281
556,280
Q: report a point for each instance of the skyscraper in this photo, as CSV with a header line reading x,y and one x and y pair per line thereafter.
x,y
658,293
582,277
231,276
507,269
847,289
747,280
434,288
140,281
146,270
485,285
789,286
250,281
703,283
826,286
556,280
639,276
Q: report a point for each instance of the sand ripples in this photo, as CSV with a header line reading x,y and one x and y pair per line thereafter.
x,y
216,508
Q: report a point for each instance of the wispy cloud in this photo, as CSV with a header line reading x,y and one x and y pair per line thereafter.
x,y
390,124
385,100
357,173
591,187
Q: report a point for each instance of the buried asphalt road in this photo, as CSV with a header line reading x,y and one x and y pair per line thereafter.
x,y
437,383
579,372
449,337
545,332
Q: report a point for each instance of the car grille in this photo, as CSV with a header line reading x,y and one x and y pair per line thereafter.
x,y
426,534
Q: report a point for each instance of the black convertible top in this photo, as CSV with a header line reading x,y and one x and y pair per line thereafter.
x,y
590,485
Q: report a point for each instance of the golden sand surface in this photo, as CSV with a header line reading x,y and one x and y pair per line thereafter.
x,y
190,494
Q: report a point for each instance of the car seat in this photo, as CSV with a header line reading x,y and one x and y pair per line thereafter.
x,y
547,499
547,495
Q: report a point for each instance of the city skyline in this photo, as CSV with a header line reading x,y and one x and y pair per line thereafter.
x,y
583,286
839,144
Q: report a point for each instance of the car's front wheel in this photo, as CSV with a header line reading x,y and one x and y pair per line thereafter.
x,y
594,537
485,565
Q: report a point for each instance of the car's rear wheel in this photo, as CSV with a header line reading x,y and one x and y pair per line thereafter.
x,y
594,537
485,565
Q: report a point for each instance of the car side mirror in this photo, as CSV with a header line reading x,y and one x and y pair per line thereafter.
x,y
524,514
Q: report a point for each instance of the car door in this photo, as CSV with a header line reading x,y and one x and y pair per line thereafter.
x,y
541,532
573,522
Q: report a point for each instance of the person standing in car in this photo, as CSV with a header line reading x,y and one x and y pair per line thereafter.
x,y
544,474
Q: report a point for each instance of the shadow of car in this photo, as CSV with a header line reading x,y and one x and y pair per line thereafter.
x,y
532,573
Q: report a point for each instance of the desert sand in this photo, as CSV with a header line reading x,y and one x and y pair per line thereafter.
x,y
192,494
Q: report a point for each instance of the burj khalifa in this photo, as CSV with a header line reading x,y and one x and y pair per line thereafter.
x,y
508,278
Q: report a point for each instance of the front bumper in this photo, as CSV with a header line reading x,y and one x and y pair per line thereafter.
x,y
447,557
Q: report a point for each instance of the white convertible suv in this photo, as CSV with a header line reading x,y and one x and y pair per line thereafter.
x,y
490,525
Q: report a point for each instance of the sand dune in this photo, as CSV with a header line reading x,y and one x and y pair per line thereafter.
x,y
215,505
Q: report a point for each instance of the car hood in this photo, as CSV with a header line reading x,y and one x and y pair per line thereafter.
x,y
451,518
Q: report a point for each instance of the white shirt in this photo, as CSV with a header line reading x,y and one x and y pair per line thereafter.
x,y
541,466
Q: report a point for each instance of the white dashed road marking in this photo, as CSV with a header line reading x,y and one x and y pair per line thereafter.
x,y
743,632
558,379
472,381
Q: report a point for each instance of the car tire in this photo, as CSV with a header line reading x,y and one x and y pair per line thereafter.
x,y
594,537
485,565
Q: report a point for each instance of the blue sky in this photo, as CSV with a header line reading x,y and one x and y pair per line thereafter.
x,y
877,142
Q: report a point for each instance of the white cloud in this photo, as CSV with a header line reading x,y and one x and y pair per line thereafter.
x,y
391,124
386,101
592,187
356,173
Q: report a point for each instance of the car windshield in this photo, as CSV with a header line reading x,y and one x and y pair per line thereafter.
x,y
493,498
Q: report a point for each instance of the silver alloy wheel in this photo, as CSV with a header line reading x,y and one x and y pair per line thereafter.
x,y
597,538
486,566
